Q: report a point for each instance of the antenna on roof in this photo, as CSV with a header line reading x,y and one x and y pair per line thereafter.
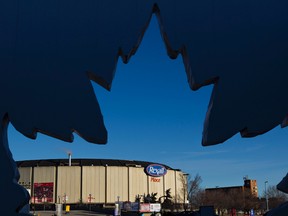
x,y
69,153
245,178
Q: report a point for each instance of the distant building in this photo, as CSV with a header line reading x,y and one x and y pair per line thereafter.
x,y
252,185
249,185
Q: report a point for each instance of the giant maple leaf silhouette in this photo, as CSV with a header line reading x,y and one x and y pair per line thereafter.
x,y
50,49
48,52
241,47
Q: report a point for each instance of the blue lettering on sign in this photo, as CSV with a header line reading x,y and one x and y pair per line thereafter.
x,y
156,170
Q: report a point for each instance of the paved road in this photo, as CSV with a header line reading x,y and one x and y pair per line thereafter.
x,y
71,213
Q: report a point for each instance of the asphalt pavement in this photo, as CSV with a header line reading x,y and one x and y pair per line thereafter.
x,y
70,213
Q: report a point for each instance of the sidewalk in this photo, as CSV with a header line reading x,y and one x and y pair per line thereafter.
x,y
71,213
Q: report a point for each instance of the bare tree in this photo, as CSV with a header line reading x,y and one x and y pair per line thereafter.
x,y
229,199
275,196
183,196
191,191
195,192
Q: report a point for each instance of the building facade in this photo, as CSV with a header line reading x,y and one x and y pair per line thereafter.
x,y
249,186
252,186
97,180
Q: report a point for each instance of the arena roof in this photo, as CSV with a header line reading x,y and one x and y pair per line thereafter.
x,y
86,162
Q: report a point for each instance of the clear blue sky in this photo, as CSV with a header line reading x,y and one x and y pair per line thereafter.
x,y
151,114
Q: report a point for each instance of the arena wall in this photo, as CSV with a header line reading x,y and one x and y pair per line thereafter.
x,y
93,184
96,183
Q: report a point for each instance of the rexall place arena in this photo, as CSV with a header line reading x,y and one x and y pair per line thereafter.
x,y
100,181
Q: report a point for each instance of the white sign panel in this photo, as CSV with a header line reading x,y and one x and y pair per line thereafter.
x,y
155,207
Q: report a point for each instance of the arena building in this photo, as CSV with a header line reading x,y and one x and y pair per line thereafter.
x,y
100,181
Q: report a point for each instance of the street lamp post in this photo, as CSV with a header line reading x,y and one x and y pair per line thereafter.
x,y
185,190
266,196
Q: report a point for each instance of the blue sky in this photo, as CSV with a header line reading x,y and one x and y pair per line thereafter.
x,y
151,114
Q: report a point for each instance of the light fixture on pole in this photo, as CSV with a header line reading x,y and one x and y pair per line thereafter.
x,y
266,196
